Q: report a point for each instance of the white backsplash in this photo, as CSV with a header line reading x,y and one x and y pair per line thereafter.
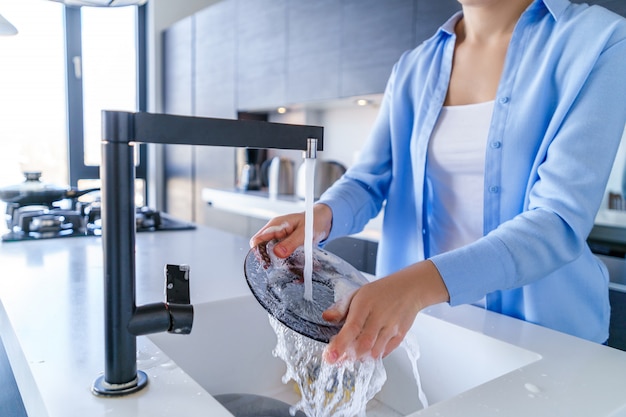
x,y
346,127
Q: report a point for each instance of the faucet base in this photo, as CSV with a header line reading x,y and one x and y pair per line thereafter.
x,y
101,388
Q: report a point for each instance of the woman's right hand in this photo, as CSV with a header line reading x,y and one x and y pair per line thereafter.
x,y
289,230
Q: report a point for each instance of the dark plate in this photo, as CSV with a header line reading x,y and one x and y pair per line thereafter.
x,y
278,285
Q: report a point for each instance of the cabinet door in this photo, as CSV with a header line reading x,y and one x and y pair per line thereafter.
x,y
374,35
617,332
215,43
177,99
618,6
177,68
313,50
261,48
430,15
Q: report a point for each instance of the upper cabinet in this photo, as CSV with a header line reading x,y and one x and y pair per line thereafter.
x,y
215,60
313,50
261,49
338,49
373,36
254,55
430,15
215,80
178,68
260,54
178,93
618,6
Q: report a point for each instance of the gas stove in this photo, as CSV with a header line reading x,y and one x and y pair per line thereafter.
x,y
30,222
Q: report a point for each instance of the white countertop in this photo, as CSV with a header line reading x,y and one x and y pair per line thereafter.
x,y
51,322
611,218
258,204
53,327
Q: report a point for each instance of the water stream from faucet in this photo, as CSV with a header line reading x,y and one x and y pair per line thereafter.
x,y
309,165
343,389
338,390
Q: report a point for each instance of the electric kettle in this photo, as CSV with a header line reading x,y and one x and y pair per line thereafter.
x,y
326,173
280,177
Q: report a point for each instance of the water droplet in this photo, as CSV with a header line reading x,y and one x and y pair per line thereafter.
x,y
532,388
169,365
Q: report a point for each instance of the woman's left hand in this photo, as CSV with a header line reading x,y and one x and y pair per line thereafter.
x,y
381,313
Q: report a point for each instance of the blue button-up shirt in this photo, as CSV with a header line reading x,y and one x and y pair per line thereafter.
x,y
559,114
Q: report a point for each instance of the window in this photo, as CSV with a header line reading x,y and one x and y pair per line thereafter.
x,y
33,128
109,69
104,59
50,117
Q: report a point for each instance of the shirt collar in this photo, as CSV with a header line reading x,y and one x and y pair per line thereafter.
x,y
555,7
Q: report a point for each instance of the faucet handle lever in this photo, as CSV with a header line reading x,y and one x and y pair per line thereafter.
x,y
177,284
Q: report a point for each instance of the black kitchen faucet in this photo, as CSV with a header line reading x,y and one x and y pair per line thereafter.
x,y
124,321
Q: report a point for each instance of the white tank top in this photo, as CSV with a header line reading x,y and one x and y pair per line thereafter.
x,y
455,173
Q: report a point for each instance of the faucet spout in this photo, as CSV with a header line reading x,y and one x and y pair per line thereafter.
x,y
311,148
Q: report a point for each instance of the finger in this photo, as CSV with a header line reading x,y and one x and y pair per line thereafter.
x,y
272,230
366,340
392,345
333,315
289,243
385,336
341,345
338,311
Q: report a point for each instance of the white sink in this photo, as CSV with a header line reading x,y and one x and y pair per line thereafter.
x,y
230,351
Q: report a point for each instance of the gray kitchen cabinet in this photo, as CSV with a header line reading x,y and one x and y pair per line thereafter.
x,y
313,50
178,68
215,37
359,253
374,35
347,48
617,6
261,48
214,78
199,80
255,55
617,331
178,99
430,15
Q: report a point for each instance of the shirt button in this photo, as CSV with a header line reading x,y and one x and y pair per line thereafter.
x,y
504,100
496,144
494,189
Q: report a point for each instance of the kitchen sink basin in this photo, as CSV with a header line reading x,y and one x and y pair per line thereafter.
x,y
230,351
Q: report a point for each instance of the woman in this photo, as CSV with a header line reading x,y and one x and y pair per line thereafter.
x,y
491,152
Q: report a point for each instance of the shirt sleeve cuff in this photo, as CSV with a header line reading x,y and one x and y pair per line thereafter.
x,y
468,277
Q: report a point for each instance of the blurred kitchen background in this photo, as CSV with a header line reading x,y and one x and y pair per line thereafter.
x,y
321,62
